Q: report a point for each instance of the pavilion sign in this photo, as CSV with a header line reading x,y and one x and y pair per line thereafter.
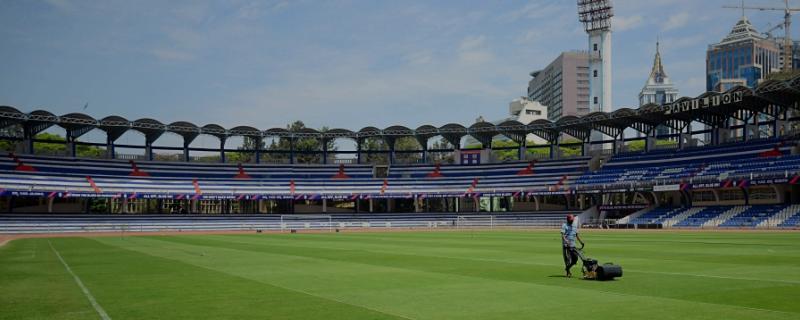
x,y
703,103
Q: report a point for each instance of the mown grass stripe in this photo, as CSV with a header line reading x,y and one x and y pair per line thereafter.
x,y
324,245
92,300
220,245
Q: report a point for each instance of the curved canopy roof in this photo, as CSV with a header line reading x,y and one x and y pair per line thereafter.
x,y
771,97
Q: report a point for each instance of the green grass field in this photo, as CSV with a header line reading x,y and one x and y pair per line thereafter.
x,y
424,275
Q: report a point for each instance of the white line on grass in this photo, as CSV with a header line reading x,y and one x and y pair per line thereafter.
x,y
97,307
257,280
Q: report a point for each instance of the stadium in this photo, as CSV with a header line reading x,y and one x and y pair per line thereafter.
x,y
698,199
468,217
742,180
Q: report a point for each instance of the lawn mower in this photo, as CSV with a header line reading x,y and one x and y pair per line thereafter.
x,y
594,271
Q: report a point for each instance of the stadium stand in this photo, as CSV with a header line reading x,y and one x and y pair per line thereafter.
x,y
700,218
791,222
763,158
761,216
746,174
70,175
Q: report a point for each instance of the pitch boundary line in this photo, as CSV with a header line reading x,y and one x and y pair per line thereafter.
x,y
254,280
95,305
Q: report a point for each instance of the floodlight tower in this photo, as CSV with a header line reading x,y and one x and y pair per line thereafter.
x,y
596,17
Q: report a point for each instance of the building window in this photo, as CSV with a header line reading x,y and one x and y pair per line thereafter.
x,y
595,73
595,47
595,100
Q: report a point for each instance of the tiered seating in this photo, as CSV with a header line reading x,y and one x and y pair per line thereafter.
x,y
791,222
700,218
778,218
753,216
721,216
700,151
207,171
541,168
656,215
110,176
714,162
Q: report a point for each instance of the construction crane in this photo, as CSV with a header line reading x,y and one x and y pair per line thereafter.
x,y
768,33
787,28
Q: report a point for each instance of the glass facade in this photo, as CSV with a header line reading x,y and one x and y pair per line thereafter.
x,y
742,63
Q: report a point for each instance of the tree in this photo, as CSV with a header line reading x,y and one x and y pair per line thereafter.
x,y
249,144
375,144
307,150
510,154
441,157
14,131
407,144
57,147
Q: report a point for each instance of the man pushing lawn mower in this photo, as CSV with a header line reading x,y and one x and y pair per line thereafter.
x,y
569,233
591,269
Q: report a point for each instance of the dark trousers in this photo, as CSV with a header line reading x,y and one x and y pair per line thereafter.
x,y
570,257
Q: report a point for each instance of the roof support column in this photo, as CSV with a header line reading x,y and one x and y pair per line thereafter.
x,y
258,149
358,150
391,152
720,133
554,149
781,124
650,140
222,150
324,150
185,150
71,144
110,152
148,150
619,142
523,149
751,128
585,146
28,140
425,154
291,150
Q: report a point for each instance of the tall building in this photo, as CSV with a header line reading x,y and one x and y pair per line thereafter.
x,y
659,88
523,110
562,86
526,111
795,53
744,57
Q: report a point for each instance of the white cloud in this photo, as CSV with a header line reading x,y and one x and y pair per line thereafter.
x,y
171,55
350,85
473,50
472,43
418,57
676,21
626,23
62,5
690,41
538,10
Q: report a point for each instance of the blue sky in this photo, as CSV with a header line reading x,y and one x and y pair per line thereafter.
x,y
329,63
